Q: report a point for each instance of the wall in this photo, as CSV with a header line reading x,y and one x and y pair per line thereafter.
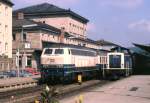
x,y
33,38
71,25
5,30
6,64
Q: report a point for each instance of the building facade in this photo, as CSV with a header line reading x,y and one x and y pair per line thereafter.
x,y
5,35
31,37
28,39
73,23
6,28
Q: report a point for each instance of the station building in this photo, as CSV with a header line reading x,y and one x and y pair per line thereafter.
x,y
73,23
43,25
5,34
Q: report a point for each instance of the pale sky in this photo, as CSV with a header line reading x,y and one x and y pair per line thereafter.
x,y
120,21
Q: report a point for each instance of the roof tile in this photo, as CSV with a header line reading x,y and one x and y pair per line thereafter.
x,y
48,9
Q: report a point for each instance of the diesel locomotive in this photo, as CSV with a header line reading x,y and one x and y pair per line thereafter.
x,y
62,63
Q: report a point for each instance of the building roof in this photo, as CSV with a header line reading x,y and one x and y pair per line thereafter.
x,y
18,24
8,2
105,43
139,51
91,41
49,10
144,47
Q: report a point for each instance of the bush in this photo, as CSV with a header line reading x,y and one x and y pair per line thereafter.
x,y
49,95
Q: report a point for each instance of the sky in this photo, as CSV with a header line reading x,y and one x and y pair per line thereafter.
x,y
119,21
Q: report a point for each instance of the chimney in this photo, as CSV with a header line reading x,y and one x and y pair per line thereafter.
x,y
20,16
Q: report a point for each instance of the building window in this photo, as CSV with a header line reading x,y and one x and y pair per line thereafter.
x,y
0,8
6,10
6,29
20,62
6,47
29,61
70,24
0,27
0,48
14,36
20,16
24,36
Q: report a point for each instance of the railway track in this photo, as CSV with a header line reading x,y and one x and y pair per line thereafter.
x,y
28,95
15,95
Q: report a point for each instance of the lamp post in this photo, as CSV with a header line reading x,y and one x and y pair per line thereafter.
x,y
22,47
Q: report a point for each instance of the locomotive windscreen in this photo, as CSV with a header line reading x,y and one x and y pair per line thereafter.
x,y
115,61
48,51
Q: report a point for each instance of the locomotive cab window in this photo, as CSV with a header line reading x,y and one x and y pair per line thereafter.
x,y
48,51
69,51
115,61
59,51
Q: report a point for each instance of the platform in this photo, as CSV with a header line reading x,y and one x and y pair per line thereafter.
x,y
18,82
134,89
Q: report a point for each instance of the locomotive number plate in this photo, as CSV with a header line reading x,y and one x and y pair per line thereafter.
x,y
52,60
